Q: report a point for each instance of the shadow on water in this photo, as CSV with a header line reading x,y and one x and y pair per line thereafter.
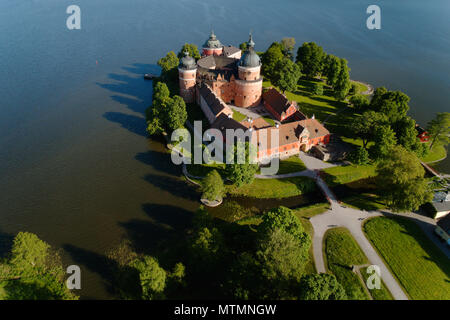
x,y
160,161
96,263
176,186
6,241
174,217
132,123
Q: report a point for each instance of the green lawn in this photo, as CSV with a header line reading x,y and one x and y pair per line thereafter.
x,y
342,252
363,201
311,210
238,116
345,174
438,152
361,87
377,294
292,164
420,267
274,188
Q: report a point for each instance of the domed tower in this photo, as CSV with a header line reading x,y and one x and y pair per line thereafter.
x,y
212,46
249,85
187,71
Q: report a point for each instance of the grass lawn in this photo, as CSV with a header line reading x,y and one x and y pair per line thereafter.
x,y
342,251
312,210
363,201
201,170
274,188
269,121
361,87
420,267
377,294
238,116
292,164
438,152
345,174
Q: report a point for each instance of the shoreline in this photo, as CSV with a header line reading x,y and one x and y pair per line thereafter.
x,y
370,88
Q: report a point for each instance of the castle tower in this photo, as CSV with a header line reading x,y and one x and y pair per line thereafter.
x,y
212,46
249,85
187,72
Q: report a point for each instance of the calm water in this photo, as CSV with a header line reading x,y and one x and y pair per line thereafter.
x,y
75,165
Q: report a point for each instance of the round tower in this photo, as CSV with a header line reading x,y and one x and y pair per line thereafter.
x,y
249,84
187,71
212,46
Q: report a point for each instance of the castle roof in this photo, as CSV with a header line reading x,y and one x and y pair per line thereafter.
x,y
278,101
229,50
212,66
212,42
250,59
187,62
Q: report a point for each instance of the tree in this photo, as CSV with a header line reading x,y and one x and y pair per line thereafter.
x,y
288,47
439,129
353,89
286,75
359,101
241,174
156,113
312,57
212,186
282,261
152,278
243,46
207,249
317,89
384,138
191,48
323,286
33,272
342,84
270,58
359,156
332,68
406,133
169,65
364,126
201,219
394,104
283,218
400,181
175,114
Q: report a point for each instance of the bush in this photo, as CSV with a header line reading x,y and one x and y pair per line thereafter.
x,y
317,89
359,156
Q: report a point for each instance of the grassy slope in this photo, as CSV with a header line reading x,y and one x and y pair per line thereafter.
x,y
274,188
292,164
377,294
421,268
438,152
346,174
342,252
311,210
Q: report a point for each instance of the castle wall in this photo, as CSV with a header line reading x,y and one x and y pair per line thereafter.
x,y
187,84
249,74
212,51
248,93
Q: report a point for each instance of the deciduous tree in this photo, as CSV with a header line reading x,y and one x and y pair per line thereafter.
x,y
312,57
439,129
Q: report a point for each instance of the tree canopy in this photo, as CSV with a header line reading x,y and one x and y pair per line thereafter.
x,y
241,174
33,271
400,180
270,58
439,129
286,75
191,48
323,286
212,186
312,57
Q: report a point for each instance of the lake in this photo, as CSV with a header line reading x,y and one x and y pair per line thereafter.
x,y
75,164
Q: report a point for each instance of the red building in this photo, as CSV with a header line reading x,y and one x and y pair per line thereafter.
x,y
278,104
422,134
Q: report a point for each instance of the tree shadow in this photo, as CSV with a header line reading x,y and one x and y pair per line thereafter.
x,y
6,242
97,263
174,217
160,161
132,123
175,186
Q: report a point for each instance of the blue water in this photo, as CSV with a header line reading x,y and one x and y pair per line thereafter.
x,y
75,165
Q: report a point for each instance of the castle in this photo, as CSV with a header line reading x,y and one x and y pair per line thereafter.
x,y
224,79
